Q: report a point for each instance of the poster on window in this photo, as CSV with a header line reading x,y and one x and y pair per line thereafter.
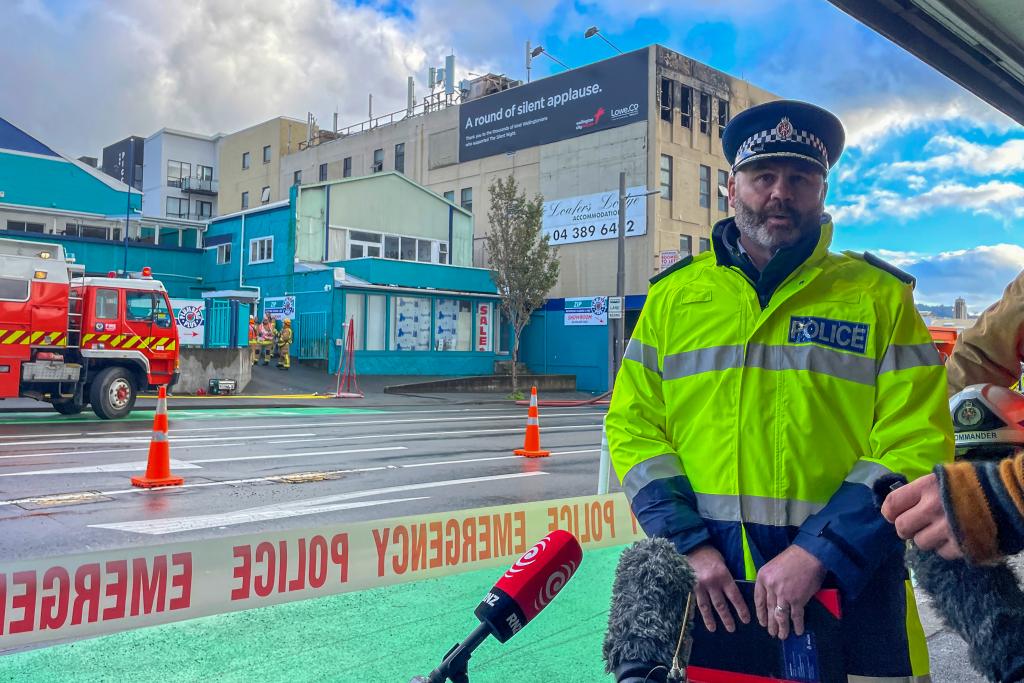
x,y
412,323
484,313
446,332
669,258
591,310
190,318
280,307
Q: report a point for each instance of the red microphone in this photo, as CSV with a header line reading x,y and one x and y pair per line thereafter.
x,y
530,584
518,596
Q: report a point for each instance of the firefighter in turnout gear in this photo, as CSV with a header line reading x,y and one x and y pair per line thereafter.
x,y
254,339
768,384
284,346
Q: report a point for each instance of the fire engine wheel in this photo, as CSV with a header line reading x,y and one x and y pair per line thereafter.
x,y
112,393
67,406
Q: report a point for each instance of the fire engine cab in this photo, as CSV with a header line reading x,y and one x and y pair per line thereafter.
x,y
72,340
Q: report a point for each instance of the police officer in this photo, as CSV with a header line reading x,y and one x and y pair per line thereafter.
x,y
767,385
284,346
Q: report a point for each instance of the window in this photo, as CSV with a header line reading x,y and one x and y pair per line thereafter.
x,y
266,154
400,157
204,172
723,191
450,196
453,325
246,162
705,244
685,246
686,107
442,252
261,250
354,315
13,289
106,304
204,209
376,317
467,198
95,231
346,167
176,170
723,115
667,88
408,249
391,248
22,226
223,254
265,195
362,244
705,112
323,172
245,200
705,187
666,176
410,323
297,178
177,207
423,251
161,316
138,306
378,161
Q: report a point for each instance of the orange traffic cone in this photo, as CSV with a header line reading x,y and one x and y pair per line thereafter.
x,y
158,469
531,448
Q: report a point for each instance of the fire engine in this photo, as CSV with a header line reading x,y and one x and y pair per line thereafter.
x,y
72,340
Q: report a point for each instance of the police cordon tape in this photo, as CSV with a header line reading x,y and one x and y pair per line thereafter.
x,y
109,591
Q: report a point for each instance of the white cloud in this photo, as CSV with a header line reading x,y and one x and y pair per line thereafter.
x,y
979,274
999,199
916,182
968,157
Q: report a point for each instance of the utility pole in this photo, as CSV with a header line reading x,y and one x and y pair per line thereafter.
x,y
620,277
529,60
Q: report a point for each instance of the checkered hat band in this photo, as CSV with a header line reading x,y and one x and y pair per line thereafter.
x,y
766,136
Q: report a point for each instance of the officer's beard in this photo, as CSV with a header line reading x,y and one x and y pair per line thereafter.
x,y
753,225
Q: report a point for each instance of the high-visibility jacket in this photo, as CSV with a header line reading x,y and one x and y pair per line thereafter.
x,y
756,428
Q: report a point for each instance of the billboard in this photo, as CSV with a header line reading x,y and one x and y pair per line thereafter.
x,y
590,310
592,98
280,307
594,216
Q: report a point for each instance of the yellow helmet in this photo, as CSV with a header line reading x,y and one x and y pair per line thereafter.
x,y
287,322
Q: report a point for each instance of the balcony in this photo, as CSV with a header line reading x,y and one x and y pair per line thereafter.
x,y
198,186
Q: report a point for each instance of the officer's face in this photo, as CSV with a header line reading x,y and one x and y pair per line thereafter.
x,y
777,201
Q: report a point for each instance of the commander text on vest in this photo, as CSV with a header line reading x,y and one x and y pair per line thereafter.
x,y
767,385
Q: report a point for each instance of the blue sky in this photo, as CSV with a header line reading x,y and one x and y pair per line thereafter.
x,y
932,179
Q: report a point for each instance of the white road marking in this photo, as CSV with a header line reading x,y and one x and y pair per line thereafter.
x,y
293,509
143,438
71,453
465,431
302,455
111,467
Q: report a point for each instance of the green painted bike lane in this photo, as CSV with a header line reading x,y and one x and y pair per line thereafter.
x,y
384,635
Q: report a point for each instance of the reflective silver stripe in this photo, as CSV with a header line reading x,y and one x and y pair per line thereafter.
x,y
905,356
755,509
644,472
642,353
159,436
697,361
867,473
853,368
888,679
531,421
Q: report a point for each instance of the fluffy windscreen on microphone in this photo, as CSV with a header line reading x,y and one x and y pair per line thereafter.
x,y
983,604
652,582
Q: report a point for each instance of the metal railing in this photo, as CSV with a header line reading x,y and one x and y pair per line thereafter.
x,y
198,185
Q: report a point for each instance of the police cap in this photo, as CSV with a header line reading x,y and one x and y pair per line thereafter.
x,y
784,128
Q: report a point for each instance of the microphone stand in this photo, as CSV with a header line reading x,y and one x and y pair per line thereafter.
x,y
455,665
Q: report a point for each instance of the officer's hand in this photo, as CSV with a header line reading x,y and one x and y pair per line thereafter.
x,y
784,586
916,510
716,589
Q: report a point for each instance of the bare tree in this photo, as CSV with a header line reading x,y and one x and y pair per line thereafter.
x,y
524,266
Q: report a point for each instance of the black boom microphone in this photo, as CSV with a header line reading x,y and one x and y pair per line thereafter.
x,y
652,584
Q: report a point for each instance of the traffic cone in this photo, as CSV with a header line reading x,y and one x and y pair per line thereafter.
x,y
158,469
531,447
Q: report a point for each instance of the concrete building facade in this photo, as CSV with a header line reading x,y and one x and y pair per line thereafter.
x,y
250,164
124,160
672,144
180,175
